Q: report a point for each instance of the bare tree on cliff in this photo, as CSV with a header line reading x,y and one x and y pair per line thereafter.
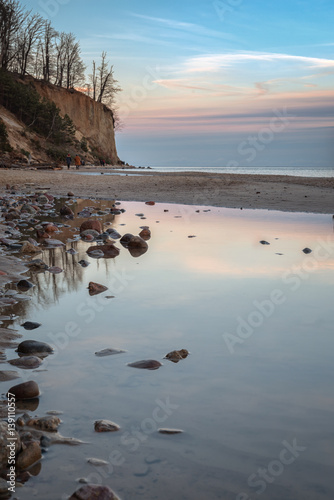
x,y
27,37
107,85
69,65
47,44
12,17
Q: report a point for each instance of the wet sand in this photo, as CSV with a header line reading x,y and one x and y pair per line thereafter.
x,y
285,193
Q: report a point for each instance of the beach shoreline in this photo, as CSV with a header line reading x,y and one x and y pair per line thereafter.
x,y
247,191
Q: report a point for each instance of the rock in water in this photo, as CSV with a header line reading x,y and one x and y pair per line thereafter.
x,y
145,234
8,375
33,346
108,250
30,454
26,390
307,250
147,364
91,224
96,288
105,426
175,356
48,424
24,285
55,270
170,431
66,211
26,362
263,242
108,352
94,492
31,325
83,263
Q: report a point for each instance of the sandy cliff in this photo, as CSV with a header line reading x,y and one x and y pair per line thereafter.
x,y
92,120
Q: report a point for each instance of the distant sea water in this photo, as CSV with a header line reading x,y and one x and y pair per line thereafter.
x,y
293,171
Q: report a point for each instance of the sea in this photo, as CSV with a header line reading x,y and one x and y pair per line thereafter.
x,y
292,171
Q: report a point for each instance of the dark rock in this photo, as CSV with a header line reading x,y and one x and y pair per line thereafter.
x,y
96,288
151,203
109,250
94,492
54,243
26,362
147,364
95,253
83,263
91,224
33,346
105,426
137,246
307,250
70,194
176,356
108,352
29,455
263,242
30,325
24,285
125,240
145,234
29,248
170,431
71,251
26,390
66,211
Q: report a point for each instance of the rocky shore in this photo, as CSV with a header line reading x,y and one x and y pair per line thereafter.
x,y
285,193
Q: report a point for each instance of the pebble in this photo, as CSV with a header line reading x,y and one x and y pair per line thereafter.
x,y
96,288
71,251
48,424
147,364
105,426
175,356
263,242
307,250
24,285
30,325
51,242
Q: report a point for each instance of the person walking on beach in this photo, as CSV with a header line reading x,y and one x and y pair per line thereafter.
x,y
68,160
77,161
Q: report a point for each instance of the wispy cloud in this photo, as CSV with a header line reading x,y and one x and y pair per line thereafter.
x,y
191,28
214,62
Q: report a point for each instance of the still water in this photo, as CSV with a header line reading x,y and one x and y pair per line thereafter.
x,y
254,397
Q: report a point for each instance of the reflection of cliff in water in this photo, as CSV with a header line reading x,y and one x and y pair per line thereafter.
x,y
50,287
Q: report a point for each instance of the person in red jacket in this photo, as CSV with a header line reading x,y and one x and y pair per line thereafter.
x,y
77,161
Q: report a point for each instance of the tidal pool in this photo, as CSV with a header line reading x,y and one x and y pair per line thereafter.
x,y
255,395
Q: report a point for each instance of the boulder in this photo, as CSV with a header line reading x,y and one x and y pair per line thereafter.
x,y
34,346
125,240
26,390
30,454
137,246
96,225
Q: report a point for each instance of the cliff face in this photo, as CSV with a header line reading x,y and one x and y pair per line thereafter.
x,y
92,120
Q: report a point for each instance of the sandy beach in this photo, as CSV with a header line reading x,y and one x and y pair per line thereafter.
x,y
285,193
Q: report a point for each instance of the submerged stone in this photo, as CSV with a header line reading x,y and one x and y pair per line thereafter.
x,y
170,431
176,356
146,364
96,288
108,352
26,362
94,492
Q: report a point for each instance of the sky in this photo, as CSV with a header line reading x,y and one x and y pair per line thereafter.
x,y
213,83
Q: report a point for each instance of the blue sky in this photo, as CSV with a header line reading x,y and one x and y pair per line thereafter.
x,y
233,82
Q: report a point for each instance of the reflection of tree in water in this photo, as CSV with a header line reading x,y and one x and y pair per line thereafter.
x,y
50,287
